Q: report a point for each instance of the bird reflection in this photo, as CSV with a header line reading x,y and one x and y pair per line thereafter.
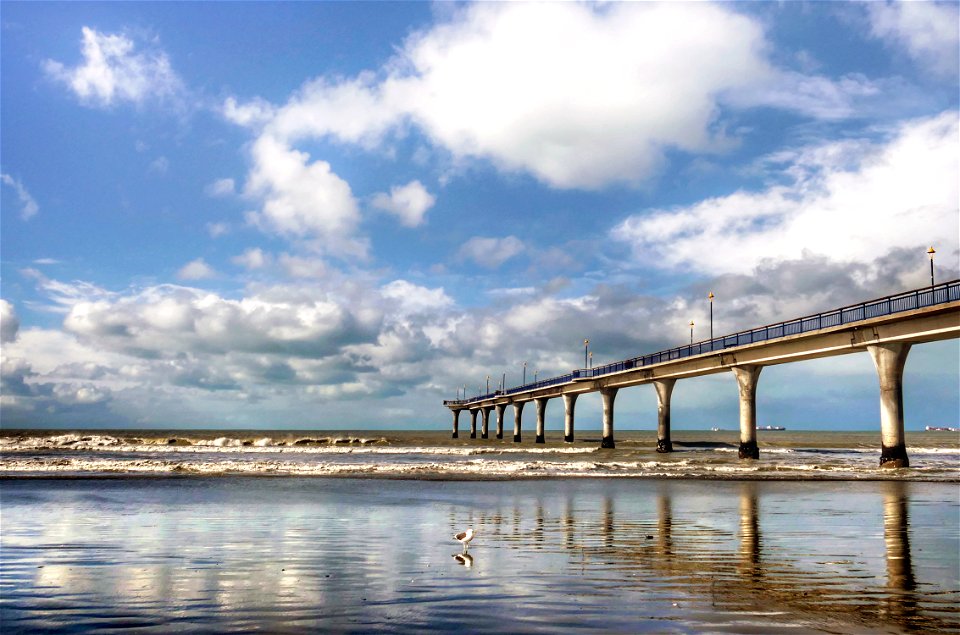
x,y
464,558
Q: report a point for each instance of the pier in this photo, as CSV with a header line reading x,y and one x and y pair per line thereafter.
x,y
886,328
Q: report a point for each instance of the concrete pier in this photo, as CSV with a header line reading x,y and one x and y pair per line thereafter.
x,y
607,395
569,403
456,424
473,422
541,415
664,388
517,419
501,408
485,426
747,377
890,360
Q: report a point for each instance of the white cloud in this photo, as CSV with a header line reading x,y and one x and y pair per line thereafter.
x,y
408,202
220,188
160,165
491,252
927,30
300,267
113,71
848,201
411,298
217,229
196,270
9,322
28,206
254,113
253,258
303,199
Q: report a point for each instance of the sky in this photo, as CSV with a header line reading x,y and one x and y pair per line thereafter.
x,y
336,215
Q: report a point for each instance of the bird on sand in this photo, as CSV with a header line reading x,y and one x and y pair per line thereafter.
x,y
464,538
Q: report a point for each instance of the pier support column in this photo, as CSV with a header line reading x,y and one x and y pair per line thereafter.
x,y
569,402
889,360
456,424
747,377
485,426
501,407
664,389
608,395
473,422
517,417
541,415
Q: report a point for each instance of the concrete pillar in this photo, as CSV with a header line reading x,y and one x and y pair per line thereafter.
x,y
664,389
456,424
501,407
889,360
517,416
541,415
569,401
485,426
747,377
473,423
608,395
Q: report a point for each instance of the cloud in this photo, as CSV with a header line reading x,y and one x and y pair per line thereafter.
x,y
300,267
114,71
220,188
196,270
849,201
408,202
253,258
491,252
926,30
303,199
217,229
28,206
9,322
253,113
160,165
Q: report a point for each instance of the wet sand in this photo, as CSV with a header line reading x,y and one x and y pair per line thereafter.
x,y
289,554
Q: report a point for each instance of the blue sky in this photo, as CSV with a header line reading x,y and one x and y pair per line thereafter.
x,y
331,215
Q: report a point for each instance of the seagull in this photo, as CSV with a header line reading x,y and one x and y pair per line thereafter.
x,y
464,538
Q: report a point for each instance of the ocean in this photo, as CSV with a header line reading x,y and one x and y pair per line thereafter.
x,y
934,456
289,532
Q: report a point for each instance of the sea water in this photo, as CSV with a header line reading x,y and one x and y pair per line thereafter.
x,y
934,456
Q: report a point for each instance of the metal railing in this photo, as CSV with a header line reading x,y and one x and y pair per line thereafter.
x,y
909,301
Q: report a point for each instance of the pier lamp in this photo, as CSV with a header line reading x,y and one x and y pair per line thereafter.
x,y
524,383
930,253
586,347
488,384
691,331
710,297
591,360
536,371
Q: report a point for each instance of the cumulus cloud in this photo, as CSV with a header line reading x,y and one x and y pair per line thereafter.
x,y
926,30
196,270
303,199
113,71
408,202
851,201
9,322
491,252
28,206
220,188
253,258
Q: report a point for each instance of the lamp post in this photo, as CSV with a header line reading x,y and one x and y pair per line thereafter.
x,y
930,252
503,382
586,346
710,297
535,373
691,331
524,383
591,360
488,384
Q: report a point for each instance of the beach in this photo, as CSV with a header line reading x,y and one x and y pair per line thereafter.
x,y
229,553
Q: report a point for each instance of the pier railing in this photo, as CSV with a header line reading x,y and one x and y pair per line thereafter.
x,y
899,303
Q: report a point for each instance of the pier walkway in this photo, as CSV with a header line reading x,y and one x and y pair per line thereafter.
x,y
885,328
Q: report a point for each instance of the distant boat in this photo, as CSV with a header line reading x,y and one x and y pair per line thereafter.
x,y
942,429
770,428
714,429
